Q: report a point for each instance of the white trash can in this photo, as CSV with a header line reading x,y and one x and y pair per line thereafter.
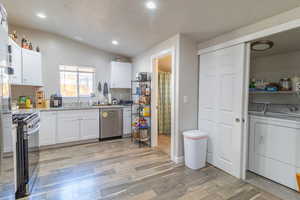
x,y
195,147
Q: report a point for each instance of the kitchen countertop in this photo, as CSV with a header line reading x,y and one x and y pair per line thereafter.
x,y
68,108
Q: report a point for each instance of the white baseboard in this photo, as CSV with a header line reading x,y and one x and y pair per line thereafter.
x,y
179,159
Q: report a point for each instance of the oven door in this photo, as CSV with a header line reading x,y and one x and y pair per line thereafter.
x,y
32,156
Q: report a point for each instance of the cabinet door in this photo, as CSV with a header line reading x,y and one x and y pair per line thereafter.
x,y
16,78
7,133
48,128
32,68
127,121
89,124
3,47
120,75
68,128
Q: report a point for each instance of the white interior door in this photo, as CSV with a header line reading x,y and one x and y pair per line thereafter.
x,y
221,106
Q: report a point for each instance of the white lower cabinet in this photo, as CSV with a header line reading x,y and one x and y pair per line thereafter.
x,y
89,125
274,149
7,133
126,121
59,127
47,134
68,126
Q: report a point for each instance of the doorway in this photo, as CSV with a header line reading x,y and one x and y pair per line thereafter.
x,y
271,133
164,74
163,102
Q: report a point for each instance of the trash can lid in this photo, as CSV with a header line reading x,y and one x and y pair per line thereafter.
x,y
195,134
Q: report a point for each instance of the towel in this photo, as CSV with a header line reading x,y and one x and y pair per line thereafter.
x,y
105,89
99,87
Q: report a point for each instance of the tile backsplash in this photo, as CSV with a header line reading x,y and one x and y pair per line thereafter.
x,y
120,93
21,90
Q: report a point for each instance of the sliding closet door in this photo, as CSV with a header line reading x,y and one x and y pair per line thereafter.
x,y
221,106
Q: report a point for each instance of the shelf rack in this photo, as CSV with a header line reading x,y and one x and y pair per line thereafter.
x,y
275,92
138,132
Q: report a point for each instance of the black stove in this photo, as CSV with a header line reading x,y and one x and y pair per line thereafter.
x,y
27,154
23,117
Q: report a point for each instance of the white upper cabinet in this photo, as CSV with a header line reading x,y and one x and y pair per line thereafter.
x,y
32,68
16,62
120,76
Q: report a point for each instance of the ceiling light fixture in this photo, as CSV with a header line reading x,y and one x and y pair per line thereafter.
x,y
262,45
78,38
115,42
41,15
151,5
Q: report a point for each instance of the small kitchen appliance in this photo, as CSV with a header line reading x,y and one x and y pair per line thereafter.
x,y
55,101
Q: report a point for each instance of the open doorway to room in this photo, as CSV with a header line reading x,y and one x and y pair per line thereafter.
x,y
163,102
273,139
164,74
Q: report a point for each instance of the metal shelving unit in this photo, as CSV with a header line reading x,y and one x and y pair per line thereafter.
x,y
141,132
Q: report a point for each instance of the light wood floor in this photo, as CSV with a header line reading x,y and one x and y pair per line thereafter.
x,y
164,143
120,170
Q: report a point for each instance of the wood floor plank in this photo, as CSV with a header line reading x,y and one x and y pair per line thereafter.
x,y
119,169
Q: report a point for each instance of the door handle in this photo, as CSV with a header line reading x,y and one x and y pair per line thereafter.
x,y
237,120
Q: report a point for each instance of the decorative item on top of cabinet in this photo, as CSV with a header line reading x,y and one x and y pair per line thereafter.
x,y
14,36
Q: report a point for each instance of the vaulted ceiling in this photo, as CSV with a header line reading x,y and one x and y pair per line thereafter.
x,y
98,22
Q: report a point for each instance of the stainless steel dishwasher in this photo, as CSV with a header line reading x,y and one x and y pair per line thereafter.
x,y
111,123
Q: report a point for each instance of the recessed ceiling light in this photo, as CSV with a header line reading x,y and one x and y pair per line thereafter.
x,y
151,5
78,38
115,42
41,15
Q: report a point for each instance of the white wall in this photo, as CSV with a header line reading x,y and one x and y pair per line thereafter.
x,y
264,24
187,82
142,62
57,50
188,87
273,68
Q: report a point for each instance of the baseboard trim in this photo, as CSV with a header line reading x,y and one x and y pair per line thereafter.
x,y
178,159
68,144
